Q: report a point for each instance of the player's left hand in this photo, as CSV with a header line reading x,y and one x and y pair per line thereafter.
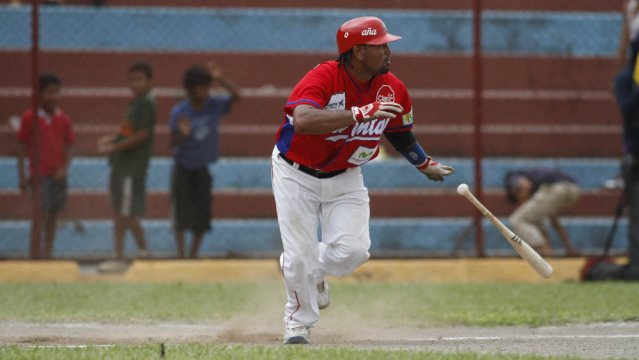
x,y
434,170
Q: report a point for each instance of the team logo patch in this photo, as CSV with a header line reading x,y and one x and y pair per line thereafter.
x,y
385,93
336,103
362,155
408,117
369,32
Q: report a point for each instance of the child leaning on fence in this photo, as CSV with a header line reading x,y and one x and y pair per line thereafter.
x,y
55,141
194,141
129,153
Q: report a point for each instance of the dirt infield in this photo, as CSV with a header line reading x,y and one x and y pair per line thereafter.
x,y
603,340
463,270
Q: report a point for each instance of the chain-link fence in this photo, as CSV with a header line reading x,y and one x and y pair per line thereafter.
x,y
546,103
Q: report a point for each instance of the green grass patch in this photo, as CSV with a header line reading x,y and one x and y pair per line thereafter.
x,y
101,301
496,304
223,352
418,305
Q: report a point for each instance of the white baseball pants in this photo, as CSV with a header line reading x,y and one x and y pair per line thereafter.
x,y
340,205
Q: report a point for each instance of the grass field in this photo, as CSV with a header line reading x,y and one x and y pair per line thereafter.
x,y
360,305
401,304
233,352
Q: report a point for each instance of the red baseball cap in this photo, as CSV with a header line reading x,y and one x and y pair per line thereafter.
x,y
367,30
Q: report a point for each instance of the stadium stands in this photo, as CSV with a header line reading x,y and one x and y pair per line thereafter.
x,y
546,96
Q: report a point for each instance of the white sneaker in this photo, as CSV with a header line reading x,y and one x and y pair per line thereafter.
x,y
297,335
323,299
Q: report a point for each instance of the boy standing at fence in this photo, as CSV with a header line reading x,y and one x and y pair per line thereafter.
x,y
194,141
129,152
55,144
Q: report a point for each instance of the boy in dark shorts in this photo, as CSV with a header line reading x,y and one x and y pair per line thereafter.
x,y
129,153
55,143
194,140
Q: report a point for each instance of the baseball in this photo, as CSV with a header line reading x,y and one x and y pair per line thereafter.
x,y
462,189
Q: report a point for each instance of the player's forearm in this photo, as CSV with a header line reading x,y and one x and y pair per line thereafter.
x,y
132,141
309,120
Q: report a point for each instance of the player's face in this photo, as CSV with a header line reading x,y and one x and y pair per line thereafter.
x,y
49,97
377,59
138,83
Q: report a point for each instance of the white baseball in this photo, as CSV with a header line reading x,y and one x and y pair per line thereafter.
x,y
462,189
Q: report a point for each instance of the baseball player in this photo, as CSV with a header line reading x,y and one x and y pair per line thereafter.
x,y
334,119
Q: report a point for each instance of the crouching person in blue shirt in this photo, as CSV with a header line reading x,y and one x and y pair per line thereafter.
x,y
540,195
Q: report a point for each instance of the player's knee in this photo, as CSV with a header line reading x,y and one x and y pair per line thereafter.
x,y
293,263
357,254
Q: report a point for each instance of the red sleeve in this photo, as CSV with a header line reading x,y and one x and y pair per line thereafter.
x,y
314,89
404,122
26,126
69,135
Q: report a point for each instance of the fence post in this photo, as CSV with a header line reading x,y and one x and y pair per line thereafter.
x,y
36,225
477,121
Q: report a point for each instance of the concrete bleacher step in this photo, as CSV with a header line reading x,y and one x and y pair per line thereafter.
x,y
528,5
441,107
238,204
527,140
243,188
392,173
247,69
407,237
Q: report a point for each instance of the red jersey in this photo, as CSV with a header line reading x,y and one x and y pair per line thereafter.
x,y
331,87
56,134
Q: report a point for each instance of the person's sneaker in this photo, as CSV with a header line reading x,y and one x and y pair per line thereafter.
x,y
297,335
323,299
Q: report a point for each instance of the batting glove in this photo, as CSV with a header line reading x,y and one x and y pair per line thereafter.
x,y
434,170
376,110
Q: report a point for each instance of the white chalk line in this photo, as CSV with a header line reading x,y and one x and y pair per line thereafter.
x,y
531,337
386,342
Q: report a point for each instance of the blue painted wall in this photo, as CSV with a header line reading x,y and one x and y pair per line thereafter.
x,y
241,173
390,237
305,30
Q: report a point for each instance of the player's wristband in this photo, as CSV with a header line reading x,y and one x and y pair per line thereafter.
x,y
415,154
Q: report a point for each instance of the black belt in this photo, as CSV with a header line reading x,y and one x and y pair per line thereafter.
x,y
313,172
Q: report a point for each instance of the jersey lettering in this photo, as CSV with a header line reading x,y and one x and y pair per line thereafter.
x,y
330,87
367,131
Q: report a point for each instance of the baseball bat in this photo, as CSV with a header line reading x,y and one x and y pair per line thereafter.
x,y
524,250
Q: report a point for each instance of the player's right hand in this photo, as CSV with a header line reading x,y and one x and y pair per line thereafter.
x,y
376,110
434,170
